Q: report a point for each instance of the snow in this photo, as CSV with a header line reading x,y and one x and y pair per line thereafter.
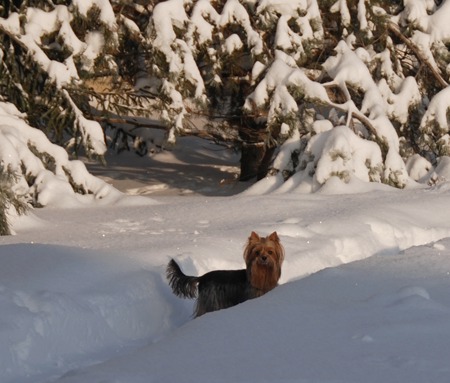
x,y
437,112
95,43
40,23
202,24
434,28
363,294
166,16
341,7
418,167
364,291
281,7
340,157
280,75
203,11
287,40
233,43
234,12
282,86
106,15
22,147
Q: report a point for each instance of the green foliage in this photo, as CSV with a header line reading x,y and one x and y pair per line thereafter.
x,y
22,80
9,199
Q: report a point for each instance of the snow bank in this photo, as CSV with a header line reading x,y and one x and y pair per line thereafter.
x,y
381,320
72,303
86,287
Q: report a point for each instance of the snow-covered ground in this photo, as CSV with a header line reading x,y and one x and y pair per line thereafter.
x,y
364,295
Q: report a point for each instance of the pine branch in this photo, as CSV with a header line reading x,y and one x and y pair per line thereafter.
x,y
355,113
394,28
207,134
9,199
60,101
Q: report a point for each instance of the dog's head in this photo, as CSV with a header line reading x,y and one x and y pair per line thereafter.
x,y
264,257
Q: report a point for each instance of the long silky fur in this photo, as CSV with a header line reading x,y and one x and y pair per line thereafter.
x,y
182,285
221,289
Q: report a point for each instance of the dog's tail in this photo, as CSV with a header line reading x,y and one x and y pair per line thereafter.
x,y
182,285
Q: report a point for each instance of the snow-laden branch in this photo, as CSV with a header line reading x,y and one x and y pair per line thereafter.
x,y
421,56
228,36
43,171
39,24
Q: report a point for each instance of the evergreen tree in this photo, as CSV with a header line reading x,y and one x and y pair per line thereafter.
x,y
307,90
9,199
277,71
47,51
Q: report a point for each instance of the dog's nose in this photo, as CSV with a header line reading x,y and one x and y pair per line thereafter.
x,y
263,258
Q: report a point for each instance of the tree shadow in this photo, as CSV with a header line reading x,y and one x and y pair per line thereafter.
x,y
193,166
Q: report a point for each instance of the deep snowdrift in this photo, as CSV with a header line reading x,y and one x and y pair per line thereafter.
x,y
84,299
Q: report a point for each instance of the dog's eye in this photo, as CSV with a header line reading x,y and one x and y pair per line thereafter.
x,y
270,252
257,252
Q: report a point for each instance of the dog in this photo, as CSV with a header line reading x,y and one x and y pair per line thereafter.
x,y
221,289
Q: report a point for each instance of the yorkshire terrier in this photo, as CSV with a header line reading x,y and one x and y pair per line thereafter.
x,y
221,289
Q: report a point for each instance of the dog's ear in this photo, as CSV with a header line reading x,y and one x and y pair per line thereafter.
x,y
254,237
274,237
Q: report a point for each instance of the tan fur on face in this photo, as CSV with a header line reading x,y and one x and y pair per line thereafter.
x,y
264,257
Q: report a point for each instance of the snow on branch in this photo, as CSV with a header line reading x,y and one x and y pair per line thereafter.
x,y
291,66
196,52
39,26
422,53
349,89
42,171
436,121
368,89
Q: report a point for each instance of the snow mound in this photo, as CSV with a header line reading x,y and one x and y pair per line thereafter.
x,y
365,278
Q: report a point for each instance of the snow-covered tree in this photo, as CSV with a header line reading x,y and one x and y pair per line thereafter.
x,y
9,200
295,70
42,57
47,51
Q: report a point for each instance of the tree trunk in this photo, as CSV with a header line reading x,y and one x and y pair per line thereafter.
x,y
252,155
256,153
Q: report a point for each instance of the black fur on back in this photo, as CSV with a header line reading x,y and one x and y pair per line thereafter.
x,y
216,290
221,289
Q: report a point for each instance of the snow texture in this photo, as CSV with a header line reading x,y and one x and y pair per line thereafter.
x,y
363,294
